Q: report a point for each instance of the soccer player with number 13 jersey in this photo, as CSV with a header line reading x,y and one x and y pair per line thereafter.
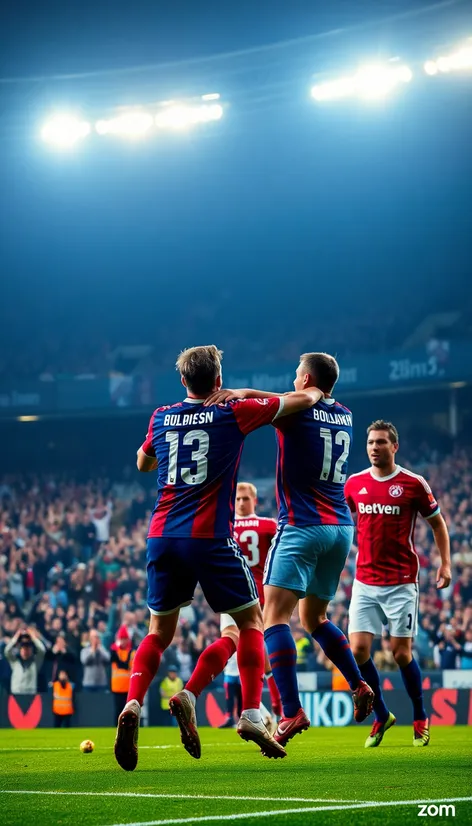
x,y
196,450
387,499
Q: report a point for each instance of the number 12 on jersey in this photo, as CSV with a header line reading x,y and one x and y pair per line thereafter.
x,y
342,439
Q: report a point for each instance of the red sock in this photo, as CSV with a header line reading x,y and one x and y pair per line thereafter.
x,y
251,666
275,698
210,663
145,665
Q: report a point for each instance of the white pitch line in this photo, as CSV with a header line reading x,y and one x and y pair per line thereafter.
x,y
245,815
108,748
183,796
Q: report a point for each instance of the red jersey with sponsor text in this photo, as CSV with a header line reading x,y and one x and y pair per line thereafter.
x,y
254,535
387,508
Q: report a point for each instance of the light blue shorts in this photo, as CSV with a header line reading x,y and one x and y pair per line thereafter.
x,y
308,560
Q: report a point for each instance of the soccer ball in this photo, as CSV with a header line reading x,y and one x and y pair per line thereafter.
x,y
87,746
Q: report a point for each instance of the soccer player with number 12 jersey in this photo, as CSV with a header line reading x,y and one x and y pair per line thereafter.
x,y
314,536
196,450
387,499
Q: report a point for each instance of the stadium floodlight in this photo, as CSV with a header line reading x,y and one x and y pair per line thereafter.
x,y
455,62
180,116
128,125
430,67
213,96
65,131
369,83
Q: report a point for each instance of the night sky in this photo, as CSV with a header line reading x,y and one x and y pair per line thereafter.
x,y
356,207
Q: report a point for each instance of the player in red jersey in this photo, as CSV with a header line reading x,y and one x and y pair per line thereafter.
x,y
254,535
387,499
196,450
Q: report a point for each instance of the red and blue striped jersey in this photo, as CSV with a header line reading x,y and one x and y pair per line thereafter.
x,y
198,451
312,457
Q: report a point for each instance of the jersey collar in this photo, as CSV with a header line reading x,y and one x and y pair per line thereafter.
x,y
386,478
249,516
193,401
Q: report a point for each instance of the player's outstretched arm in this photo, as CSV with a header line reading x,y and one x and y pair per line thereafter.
x,y
441,538
145,463
293,402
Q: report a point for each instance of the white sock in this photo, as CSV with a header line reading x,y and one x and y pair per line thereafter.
x,y
131,703
264,711
252,714
192,697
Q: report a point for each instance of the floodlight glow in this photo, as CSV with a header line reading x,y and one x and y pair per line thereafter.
x,y
127,125
370,82
213,96
180,116
430,67
65,130
378,81
455,62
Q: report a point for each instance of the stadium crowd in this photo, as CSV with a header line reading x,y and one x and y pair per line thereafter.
x,y
73,582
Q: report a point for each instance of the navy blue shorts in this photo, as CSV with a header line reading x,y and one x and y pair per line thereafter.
x,y
175,566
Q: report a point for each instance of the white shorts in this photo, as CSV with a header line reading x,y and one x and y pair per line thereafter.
x,y
375,606
225,621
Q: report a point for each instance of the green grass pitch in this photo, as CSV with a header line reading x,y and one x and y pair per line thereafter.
x,y
232,781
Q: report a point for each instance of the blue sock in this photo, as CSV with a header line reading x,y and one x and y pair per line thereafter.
x,y
371,676
283,662
412,679
336,647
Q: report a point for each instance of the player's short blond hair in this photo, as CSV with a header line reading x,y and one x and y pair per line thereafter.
x,y
251,488
381,424
323,368
200,367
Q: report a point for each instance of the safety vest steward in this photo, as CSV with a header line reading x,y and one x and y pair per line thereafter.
x,y
338,681
62,699
168,688
120,676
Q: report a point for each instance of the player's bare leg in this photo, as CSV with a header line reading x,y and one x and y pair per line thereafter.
x,y
336,647
145,666
402,650
361,644
251,671
278,608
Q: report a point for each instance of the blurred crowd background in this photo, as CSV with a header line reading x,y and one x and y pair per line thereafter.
x,y
73,577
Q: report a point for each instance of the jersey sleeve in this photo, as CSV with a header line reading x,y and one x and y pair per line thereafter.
x,y
348,495
146,446
426,501
253,413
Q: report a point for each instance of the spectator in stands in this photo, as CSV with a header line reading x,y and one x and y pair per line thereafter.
x,y
85,536
95,659
62,658
466,651
446,651
463,587
100,516
25,653
384,659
